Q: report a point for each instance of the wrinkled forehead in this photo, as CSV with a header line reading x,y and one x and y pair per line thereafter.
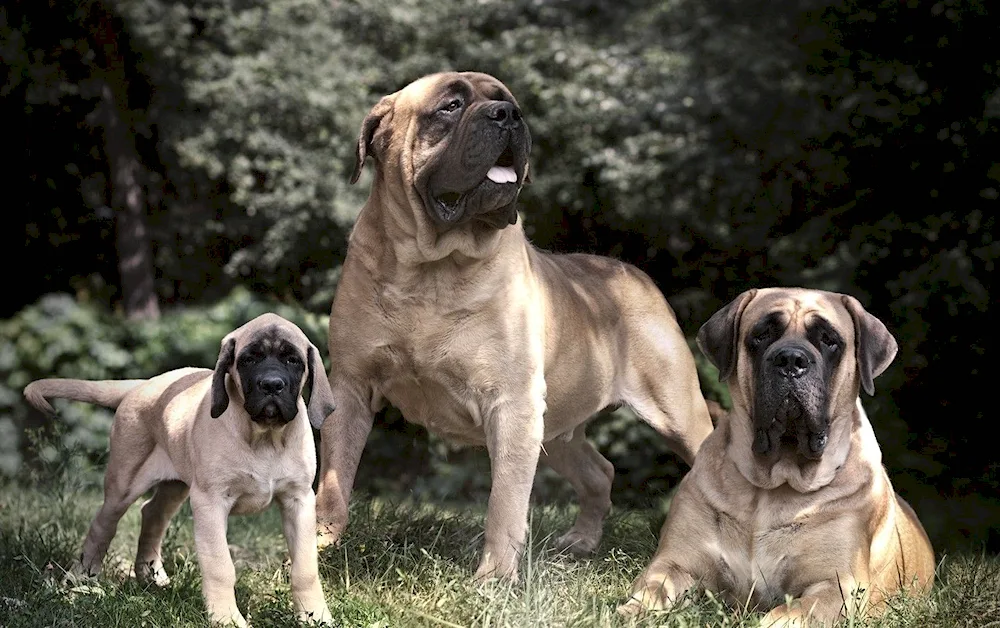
x,y
270,334
468,84
796,308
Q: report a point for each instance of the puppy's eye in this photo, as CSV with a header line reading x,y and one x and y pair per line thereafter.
x,y
452,105
293,360
250,358
829,342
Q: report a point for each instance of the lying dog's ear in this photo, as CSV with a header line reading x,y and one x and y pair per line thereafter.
x,y
371,141
874,346
320,403
719,336
220,398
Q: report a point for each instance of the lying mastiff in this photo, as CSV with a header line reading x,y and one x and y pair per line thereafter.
x,y
234,439
788,496
446,311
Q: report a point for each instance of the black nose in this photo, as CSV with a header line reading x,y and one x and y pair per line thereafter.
x,y
271,384
505,114
791,361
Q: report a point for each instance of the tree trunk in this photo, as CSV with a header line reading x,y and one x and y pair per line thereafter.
x,y
128,194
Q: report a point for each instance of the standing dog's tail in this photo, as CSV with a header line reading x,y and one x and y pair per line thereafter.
x,y
107,393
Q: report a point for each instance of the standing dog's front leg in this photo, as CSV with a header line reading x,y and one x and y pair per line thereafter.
x,y
218,575
344,434
298,520
514,440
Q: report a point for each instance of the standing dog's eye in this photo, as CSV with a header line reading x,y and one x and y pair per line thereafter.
x,y
452,105
292,360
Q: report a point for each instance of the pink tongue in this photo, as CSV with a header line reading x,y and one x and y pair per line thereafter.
x,y
502,174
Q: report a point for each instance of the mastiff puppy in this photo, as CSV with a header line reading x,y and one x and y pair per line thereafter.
x,y
234,439
446,311
788,497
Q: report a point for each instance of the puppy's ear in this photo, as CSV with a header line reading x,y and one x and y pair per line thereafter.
x,y
373,137
874,346
320,403
719,337
220,398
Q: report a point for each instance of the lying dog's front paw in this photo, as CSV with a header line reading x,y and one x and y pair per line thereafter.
x,y
632,608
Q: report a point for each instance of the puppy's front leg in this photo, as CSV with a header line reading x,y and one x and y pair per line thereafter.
x,y
298,520
218,575
514,439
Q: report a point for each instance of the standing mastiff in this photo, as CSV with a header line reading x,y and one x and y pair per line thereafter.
x,y
235,439
788,496
446,311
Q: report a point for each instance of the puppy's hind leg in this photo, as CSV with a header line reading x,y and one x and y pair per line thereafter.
x,y
127,478
591,475
156,514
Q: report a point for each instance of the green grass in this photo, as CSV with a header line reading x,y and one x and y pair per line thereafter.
x,y
400,563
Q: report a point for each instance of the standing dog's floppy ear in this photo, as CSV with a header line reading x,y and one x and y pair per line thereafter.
x,y
719,336
368,142
220,398
874,346
320,403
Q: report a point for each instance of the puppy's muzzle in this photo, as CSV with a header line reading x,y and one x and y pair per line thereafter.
x,y
272,398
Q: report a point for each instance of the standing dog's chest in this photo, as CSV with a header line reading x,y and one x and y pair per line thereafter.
x,y
427,376
444,367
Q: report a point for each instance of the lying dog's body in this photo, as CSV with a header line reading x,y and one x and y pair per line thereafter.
x,y
788,496
446,311
235,439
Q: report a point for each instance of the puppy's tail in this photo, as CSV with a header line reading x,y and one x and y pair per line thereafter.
x,y
107,393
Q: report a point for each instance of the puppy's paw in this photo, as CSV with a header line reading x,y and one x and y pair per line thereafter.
x,y
228,619
328,534
490,569
151,572
577,543
317,616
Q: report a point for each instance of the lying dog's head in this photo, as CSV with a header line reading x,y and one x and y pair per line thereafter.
x,y
795,360
270,362
455,144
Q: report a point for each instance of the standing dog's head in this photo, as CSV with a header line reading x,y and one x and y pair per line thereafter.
x,y
454,144
795,359
270,362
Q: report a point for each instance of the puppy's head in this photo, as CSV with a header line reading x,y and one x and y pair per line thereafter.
x,y
455,144
270,362
796,359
